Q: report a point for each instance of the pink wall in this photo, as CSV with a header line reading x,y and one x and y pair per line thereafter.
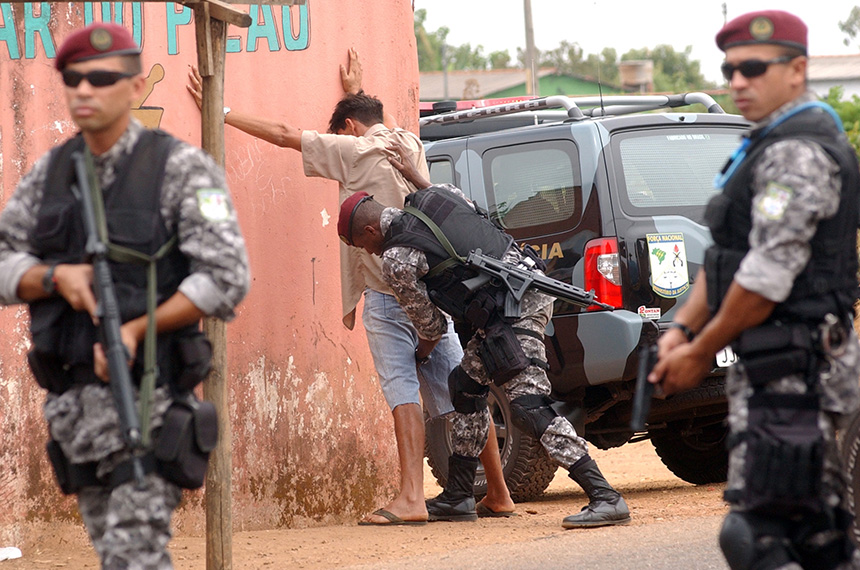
x,y
312,436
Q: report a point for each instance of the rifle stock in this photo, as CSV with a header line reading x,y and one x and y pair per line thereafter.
x,y
109,320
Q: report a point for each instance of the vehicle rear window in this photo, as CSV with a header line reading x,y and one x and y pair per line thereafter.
x,y
533,184
665,170
442,172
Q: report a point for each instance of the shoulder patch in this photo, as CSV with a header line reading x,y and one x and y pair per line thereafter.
x,y
213,204
774,201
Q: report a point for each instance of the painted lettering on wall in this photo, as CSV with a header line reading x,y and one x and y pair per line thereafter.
x,y
275,28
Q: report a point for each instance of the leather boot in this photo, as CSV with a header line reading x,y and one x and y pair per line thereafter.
x,y
457,501
605,507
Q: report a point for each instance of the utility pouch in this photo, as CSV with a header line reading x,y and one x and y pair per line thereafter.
x,y
774,351
187,437
48,371
784,459
71,477
194,355
483,306
502,353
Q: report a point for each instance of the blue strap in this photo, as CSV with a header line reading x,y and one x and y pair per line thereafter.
x,y
740,153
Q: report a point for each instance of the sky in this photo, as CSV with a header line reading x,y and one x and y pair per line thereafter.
x,y
626,24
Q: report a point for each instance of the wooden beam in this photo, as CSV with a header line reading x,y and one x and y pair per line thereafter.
x,y
212,39
221,11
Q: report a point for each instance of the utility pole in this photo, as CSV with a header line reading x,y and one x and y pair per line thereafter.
x,y
531,68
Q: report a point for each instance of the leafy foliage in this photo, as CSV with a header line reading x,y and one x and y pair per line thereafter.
x,y
849,112
673,71
851,26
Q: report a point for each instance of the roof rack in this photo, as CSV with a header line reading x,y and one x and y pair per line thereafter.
x,y
596,106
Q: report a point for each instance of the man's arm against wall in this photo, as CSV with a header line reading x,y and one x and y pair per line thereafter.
x,y
275,132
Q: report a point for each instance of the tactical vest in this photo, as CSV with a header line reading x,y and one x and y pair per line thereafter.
x,y
828,283
465,229
133,215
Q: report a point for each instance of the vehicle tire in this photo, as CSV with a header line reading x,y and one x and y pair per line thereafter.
x,y
695,452
849,449
527,467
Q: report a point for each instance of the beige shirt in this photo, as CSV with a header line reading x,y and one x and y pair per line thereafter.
x,y
361,164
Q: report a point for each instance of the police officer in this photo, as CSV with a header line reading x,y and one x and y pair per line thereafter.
x,y
779,284
414,261
157,194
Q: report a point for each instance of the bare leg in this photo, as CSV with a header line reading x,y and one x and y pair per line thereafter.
x,y
409,433
498,497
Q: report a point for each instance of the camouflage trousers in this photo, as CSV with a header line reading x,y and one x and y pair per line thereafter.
x,y
837,388
469,431
129,526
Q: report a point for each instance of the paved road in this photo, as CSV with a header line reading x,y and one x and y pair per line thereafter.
x,y
689,544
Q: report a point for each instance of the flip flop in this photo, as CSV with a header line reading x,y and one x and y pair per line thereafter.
x,y
486,512
393,520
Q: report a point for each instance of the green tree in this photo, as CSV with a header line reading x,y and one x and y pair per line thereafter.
x,y
849,112
851,26
434,51
430,44
500,60
673,71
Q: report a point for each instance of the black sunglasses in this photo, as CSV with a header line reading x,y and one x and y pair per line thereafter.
x,y
347,239
94,78
752,67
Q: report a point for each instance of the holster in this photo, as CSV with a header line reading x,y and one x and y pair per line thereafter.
x,y
48,371
502,353
774,351
784,459
71,477
187,437
193,354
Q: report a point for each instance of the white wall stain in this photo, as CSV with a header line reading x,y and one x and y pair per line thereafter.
x,y
325,217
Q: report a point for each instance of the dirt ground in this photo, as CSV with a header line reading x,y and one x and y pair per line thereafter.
x,y
651,491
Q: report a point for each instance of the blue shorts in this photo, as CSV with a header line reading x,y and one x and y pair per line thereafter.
x,y
393,339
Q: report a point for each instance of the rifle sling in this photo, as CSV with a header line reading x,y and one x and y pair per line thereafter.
x,y
121,254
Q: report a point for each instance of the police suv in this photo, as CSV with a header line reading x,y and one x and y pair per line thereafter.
x,y
611,192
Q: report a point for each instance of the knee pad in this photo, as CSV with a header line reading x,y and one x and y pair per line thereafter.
x,y
467,395
533,414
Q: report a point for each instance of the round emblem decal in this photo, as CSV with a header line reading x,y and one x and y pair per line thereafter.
x,y
761,28
101,39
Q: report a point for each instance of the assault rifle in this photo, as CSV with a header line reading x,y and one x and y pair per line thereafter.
x,y
518,280
644,388
108,314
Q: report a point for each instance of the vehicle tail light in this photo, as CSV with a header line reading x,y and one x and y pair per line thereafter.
x,y
603,271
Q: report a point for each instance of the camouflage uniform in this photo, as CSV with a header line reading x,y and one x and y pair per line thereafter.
x,y
402,269
130,526
779,251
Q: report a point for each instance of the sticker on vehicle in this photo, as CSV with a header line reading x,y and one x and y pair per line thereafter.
x,y
670,277
652,313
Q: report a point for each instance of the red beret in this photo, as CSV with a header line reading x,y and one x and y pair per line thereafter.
x,y
347,211
97,40
765,27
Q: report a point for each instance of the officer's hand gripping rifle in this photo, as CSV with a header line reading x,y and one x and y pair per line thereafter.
x,y
108,314
644,388
518,280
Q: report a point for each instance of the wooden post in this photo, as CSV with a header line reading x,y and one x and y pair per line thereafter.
x,y
211,43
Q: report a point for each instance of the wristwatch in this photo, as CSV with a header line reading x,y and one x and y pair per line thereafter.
x,y
687,331
48,283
